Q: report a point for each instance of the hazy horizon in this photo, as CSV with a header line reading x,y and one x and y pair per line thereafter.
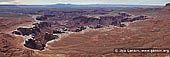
x,y
81,2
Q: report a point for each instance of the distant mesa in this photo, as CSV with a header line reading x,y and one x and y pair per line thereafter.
x,y
167,6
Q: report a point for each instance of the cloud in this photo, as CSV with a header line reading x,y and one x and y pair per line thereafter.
x,y
6,0
10,2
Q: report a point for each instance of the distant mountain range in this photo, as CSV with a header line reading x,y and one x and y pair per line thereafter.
x,y
87,5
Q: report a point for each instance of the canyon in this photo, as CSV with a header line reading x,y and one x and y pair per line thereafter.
x,y
44,31
83,32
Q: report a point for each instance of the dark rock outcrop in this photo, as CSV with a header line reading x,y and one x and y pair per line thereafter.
x,y
44,24
34,44
49,15
167,6
106,20
25,31
102,20
34,30
127,19
58,32
131,19
16,32
41,18
39,35
40,43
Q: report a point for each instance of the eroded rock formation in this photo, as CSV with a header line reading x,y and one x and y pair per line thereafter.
x,y
40,33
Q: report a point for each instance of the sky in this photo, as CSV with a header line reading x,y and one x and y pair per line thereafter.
x,y
42,2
